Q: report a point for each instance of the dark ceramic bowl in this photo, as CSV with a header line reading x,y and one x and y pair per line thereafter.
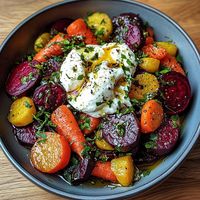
x,y
20,41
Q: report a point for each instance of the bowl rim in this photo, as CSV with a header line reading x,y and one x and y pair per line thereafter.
x,y
128,193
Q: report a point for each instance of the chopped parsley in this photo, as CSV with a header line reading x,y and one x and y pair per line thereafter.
x,y
80,77
103,21
118,148
175,121
152,141
95,57
85,124
41,135
121,128
98,103
55,77
27,104
86,151
89,49
164,70
144,173
26,79
179,58
100,32
44,122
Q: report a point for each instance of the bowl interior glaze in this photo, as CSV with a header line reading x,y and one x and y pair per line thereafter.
x,y
20,41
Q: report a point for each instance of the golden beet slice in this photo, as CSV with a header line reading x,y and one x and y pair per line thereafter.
x,y
51,153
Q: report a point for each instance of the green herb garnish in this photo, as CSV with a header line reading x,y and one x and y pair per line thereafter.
x,y
27,104
80,77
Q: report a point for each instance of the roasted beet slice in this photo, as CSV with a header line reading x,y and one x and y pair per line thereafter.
x,y
167,137
49,96
60,26
164,140
23,77
26,134
128,29
83,171
145,157
121,131
51,66
175,91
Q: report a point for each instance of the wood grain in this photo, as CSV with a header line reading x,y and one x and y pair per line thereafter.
x,y
184,184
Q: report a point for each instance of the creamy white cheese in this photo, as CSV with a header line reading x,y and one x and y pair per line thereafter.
x,y
72,71
102,78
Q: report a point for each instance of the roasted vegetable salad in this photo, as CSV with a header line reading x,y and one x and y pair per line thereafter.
x,y
98,97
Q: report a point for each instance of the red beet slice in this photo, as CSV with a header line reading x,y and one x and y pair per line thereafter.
x,y
133,37
121,131
175,91
23,77
60,26
167,137
49,96
26,135
128,29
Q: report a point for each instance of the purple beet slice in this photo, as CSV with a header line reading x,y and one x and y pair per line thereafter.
x,y
60,26
49,96
121,131
167,138
51,66
128,29
22,78
26,134
175,91
145,157
83,171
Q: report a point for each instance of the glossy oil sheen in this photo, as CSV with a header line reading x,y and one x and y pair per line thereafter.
x,y
21,40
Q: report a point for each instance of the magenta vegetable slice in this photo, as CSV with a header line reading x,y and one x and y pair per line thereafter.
x,y
22,78
175,91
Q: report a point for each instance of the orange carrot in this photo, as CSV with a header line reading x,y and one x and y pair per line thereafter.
x,y
171,62
87,123
52,48
79,28
149,40
51,154
154,51
103,170
151,116
67,125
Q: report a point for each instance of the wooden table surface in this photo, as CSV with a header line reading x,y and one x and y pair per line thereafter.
x,y
184,184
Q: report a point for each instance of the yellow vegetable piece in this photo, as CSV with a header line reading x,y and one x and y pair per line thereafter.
x,y
123,168
169,47
101,143
150,64
102,24
41,41
143,85
22,111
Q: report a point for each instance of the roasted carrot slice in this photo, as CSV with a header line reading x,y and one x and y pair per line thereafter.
x,y
103,170
88,123
52,48
67,125
79,28
151,117
171,62
154,51
149,40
